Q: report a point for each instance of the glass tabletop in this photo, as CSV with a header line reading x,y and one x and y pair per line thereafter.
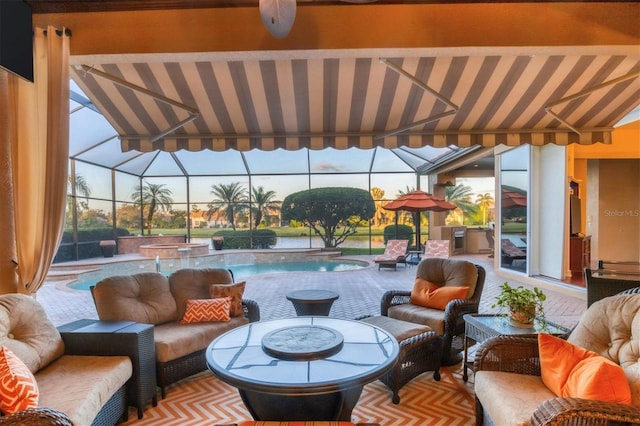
x,y
500,324
238,357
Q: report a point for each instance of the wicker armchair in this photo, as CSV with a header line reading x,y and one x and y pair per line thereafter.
x,y
519,354
450,322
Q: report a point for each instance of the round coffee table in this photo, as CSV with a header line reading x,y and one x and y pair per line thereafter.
x,y
302,368
312,302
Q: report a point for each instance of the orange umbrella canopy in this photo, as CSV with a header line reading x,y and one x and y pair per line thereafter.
x,y
512,199
419,201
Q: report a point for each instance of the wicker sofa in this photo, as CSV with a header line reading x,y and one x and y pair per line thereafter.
x,y
73,387
152,298
510,391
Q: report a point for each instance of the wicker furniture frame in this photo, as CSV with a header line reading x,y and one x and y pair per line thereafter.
x,y
40,416
188,365
603,283
134,340
480,327
418,353
453,315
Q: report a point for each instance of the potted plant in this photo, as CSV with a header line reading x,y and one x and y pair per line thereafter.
x,y
218,242
524,305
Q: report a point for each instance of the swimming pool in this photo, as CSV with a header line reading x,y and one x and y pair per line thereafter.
x,y
242,271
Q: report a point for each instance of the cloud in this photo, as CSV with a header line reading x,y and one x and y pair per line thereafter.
x,y
327,167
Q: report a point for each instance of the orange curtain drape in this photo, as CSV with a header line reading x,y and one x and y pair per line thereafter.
x,y
38,138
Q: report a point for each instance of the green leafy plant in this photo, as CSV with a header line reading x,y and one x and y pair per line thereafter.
x,y
524,305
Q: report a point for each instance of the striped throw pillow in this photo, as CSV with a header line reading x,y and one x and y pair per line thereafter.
x,y
207,310
18,387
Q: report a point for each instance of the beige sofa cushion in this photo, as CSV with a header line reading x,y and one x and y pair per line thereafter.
x,y
449,272
27,332
188,284
508,398
80,385
174,340
611,328
143,297
433,318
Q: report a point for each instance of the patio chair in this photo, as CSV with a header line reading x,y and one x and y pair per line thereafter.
x,y
514,377
395,252
436,248
447,319
511,252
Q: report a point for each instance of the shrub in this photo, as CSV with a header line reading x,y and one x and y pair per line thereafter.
x,y
399,232
255,239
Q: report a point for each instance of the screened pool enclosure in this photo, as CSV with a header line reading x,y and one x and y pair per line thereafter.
x,y
106,187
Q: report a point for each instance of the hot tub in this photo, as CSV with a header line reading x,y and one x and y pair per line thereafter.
x,y
177,250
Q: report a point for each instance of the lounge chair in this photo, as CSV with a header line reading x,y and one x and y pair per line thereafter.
x,y
436,248
511,252
395,252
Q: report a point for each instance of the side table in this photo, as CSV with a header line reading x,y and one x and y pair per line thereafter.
x,y
415,256
131,339
312,302
480,327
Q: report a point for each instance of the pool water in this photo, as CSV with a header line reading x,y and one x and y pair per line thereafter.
x,y
247,270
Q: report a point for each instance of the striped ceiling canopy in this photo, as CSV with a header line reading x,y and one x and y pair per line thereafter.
x,y
344,99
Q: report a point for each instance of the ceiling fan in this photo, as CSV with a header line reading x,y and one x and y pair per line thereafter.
x,y
278,15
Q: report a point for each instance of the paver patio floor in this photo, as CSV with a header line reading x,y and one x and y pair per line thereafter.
x,y
360,292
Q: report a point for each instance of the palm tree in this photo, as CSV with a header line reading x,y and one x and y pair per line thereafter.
x,y
81,189
230,198
405,214
151,196
484,201
378,194
264,203
460,195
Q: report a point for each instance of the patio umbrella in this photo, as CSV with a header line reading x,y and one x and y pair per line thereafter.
x,y
419,201
512,199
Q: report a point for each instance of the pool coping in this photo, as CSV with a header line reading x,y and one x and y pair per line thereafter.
x,y
64,274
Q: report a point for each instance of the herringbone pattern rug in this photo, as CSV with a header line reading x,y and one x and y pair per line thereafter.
x,y
204,400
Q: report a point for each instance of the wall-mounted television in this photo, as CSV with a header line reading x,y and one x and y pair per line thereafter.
x,y
16,38
576,215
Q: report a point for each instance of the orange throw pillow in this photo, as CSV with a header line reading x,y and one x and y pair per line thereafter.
x,y
570,371
427,294
235,291
18,388
207,310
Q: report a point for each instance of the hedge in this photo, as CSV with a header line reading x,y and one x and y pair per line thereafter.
x,y
259,238
398,232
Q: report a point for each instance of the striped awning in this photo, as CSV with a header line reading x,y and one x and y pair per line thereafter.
x,y
324,99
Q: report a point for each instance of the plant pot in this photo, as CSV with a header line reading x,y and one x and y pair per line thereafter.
x,y
218,242
523,318
108,248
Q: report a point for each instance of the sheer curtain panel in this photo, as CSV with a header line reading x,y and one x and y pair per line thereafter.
x,y
39,143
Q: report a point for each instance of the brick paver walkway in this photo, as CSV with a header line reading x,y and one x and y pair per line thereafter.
x,y
360,292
